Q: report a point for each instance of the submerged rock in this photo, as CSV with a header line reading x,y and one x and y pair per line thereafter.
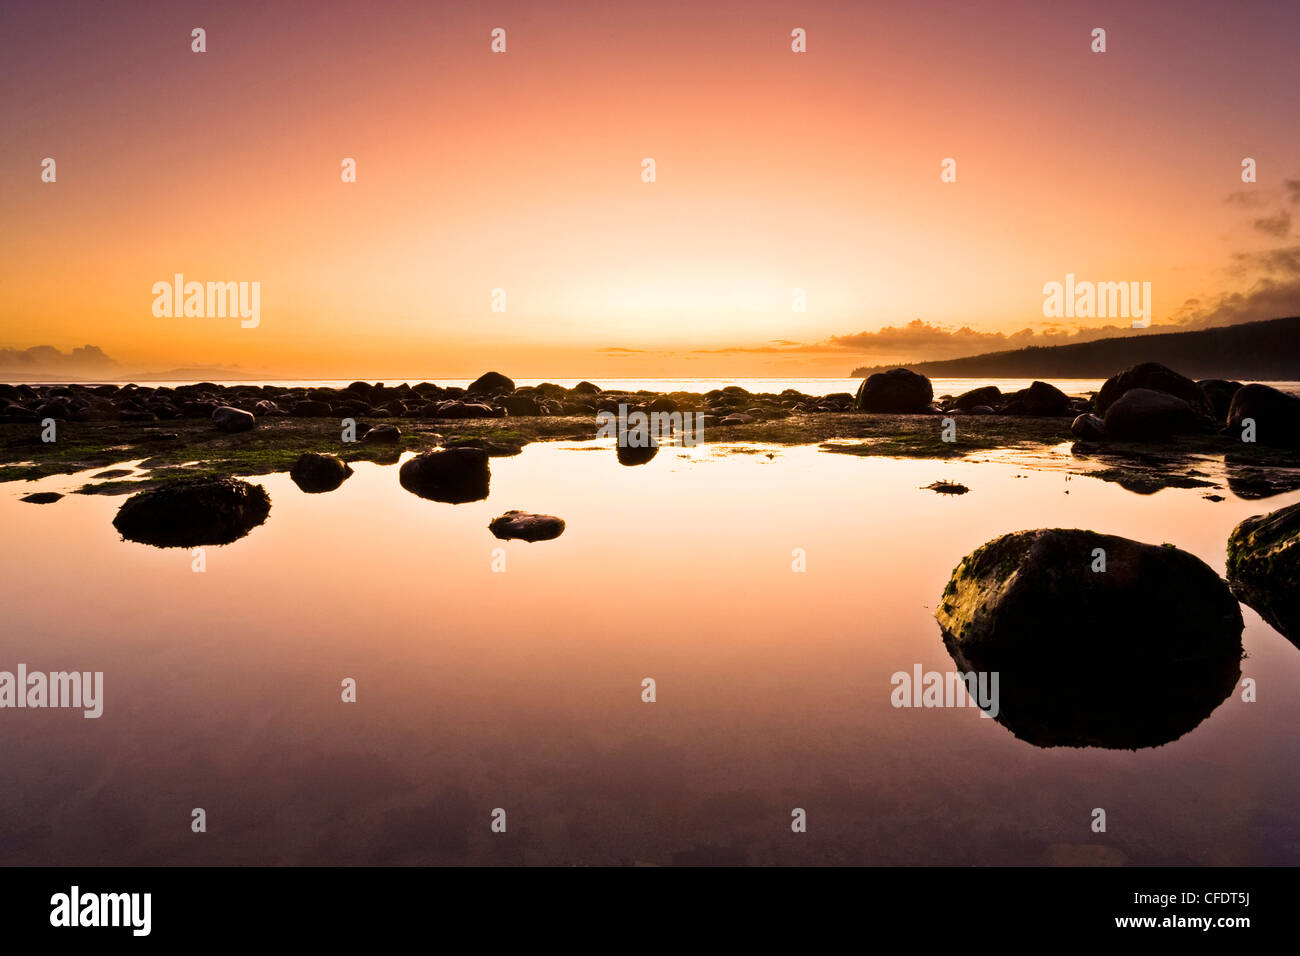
x,y
1264,568
946,488
229,419
527,527
1131,656
452,475
192,512
1145,414
315,473
898,390
42,497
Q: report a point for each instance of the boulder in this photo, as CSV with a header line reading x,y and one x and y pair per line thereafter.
x,y
521,405
1264,568
1131,653
1039,400
898,390
490,383
1088,427
192,512
315,473
989,395
1276,415
527,527
382,434
452,475
312,408
1142,414
1157,378
585,388
1219,392
229,419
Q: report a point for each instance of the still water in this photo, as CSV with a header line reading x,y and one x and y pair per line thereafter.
x,y
521,689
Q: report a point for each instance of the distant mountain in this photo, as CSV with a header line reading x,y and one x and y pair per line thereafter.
x,y
1267,351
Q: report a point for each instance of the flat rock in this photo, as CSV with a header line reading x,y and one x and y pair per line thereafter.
x,y
526,526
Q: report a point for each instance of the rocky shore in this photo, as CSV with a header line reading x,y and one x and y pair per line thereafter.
x,y
1148,427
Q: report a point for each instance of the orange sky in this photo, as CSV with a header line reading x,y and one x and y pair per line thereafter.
x,y
522,171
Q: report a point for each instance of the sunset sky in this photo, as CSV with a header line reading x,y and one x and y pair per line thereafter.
x,y
522,171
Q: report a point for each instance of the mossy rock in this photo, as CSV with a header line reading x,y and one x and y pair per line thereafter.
x,y
1127,657
1264,568
192,512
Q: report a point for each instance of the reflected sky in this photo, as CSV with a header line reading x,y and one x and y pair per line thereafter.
x,y
521,689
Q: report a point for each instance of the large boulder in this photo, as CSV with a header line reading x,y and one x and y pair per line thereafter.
x,y
1142,414
491,383
229,419
989,395
315,473
898,390
1264,568
1040,400
453,475
192,512
585,388
526,527
1219,391
1276,415
1157,378
1129,653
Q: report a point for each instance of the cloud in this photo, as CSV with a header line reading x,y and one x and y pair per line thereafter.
x,y
1278,225
1292,189
1246,199
88,360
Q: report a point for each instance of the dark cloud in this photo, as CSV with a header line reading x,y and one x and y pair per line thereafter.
x,y
1292,189
1246,199
1278,225
1266,299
